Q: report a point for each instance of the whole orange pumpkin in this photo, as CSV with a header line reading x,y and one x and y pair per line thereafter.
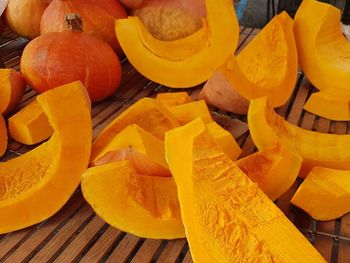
x,y
98,16
58,58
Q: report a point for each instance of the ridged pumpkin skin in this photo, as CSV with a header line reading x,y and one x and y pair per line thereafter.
x,y
227,217
323,50
37,184
98,16
58,58
3,136
317,149
143,205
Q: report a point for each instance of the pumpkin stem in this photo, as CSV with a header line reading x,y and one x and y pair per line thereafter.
x,y
74,22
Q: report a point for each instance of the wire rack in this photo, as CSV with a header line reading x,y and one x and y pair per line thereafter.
x,y
76,234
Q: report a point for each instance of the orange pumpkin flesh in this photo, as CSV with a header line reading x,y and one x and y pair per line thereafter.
x,y
3,136
170,99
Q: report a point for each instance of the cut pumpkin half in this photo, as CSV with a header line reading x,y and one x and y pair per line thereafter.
x,y
223,32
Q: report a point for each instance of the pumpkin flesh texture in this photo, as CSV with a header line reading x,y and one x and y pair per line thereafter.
x,y
227,217
170,99
187,112
143,205
223,28
316,149
3,136
324,194
37,184
323,50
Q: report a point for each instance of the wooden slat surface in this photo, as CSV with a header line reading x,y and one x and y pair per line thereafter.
x,y
76,234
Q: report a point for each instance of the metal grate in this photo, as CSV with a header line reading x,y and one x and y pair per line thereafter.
x,y
76,234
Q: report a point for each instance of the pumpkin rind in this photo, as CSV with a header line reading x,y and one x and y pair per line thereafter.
x,y
37,184
3,136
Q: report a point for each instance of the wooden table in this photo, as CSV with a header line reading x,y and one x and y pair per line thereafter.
x,y
76,234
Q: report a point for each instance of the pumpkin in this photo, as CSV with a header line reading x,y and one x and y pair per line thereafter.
x,y
98,16
187,112
267,66
3,5
274,169
143,205
12,86
317,149
149,114
132,4
170,99
323,50
23,16
332,104
35,185
193,70
227,218
3,136
324,194
58,58
30,125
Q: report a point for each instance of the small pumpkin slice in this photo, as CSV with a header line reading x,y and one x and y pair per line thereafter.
x,y
324,194
170,99
12,86
30,125
188,112
333,104
143,205
274,169
226,216
3,136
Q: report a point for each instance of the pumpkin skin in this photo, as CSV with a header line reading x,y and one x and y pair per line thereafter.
x,y
323,50
194,70
37,184
58,58
3,136
316,149
132,4
227,218
98,16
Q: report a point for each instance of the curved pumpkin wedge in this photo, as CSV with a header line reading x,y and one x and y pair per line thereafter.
x,y
193,70
147,113
317,149
274,169
37,184
333,104
324,194
170,99
143,205
323,50
227,217
30,125
3,136
267,66
188,112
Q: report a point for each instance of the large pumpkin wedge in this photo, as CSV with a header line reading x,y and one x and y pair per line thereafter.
x,y
144,205
323,50
317,149
193,70
3,136
267,66
37,184
226,216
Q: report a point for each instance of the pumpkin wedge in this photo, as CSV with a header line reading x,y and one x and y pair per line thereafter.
x,y
30,125
324,194
144,205
227,218
333,104
3,136
267,66
192,70
323,50
274,169
37,184
317,149
170,99
188,112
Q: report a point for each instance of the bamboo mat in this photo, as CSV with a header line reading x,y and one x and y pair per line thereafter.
x,y
76,234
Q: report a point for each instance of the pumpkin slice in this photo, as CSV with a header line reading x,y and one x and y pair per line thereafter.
x,y
12,87
149,114
188,112
226,216
324,194
267,66
317,149
333,104
37,184
170,99
192,70
274,169
146,206
3,136
30,125
323,50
